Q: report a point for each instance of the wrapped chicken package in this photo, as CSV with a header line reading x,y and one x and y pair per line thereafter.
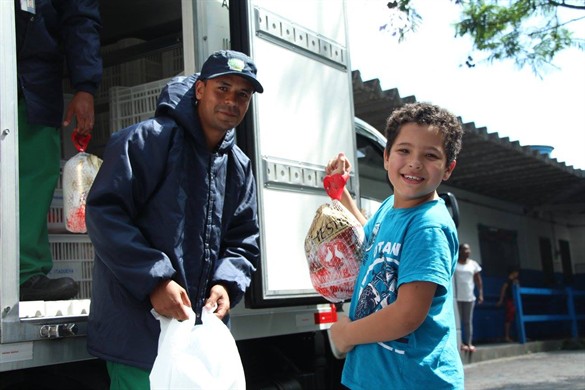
x,y
334,246
78,175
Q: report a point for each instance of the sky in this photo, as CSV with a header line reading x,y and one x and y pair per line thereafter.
x,y
512,102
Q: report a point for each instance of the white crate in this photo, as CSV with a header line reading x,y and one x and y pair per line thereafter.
x,y
130,105
173,62
60,180
73,257
101,130
55,217
130,73
37,309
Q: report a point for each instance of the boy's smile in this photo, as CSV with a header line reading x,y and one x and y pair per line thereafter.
x,y
416,165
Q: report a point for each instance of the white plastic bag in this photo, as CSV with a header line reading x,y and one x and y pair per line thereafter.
x,y
78,175
196,357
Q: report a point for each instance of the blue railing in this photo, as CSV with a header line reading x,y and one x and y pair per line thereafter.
x,y
571,314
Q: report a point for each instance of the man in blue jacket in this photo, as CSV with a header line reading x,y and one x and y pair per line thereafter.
x,y
172,215
50,33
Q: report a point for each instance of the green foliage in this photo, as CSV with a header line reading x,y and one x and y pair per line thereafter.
x,y
529,32
526,31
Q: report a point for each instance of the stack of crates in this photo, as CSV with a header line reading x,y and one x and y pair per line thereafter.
x,y
129,73
73,257
130,105
173,62
55,218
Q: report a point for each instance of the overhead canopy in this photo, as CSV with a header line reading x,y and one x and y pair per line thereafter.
x,y
489,165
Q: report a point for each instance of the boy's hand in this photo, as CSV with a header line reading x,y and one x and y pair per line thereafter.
x,y
339,164
337,332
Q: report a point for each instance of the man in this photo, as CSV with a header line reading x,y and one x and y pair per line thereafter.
x,y
49,33
172,215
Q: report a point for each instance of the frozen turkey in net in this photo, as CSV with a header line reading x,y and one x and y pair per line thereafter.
x,y
334,248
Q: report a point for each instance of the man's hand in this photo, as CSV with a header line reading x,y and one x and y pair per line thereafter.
x,y
80,107
337,330
171,300
219,296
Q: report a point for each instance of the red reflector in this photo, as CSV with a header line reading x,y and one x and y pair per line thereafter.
x,y
326,317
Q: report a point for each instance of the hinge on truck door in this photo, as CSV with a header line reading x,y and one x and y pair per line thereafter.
x,y
285,33
295,176
58,330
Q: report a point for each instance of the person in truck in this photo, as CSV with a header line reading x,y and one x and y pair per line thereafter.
x,y
172,215
50,34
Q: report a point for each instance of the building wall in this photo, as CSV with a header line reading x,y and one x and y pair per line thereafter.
x,y
476,209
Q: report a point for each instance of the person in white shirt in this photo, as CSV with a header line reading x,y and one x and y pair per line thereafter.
x,y
467,277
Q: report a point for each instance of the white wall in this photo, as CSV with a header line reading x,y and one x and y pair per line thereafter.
x,y
476,209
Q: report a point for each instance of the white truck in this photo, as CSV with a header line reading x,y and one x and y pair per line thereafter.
x,y
304,117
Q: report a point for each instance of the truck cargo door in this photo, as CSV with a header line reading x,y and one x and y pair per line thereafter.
x,y
303,118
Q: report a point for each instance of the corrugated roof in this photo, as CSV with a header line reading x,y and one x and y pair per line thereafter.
x,y
488,164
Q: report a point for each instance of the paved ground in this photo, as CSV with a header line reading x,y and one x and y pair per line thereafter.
x,y
537,371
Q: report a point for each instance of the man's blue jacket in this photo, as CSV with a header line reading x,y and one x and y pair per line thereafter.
x,y
165,207
59,32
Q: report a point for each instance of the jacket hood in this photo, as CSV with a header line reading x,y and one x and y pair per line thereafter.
x,y
177,100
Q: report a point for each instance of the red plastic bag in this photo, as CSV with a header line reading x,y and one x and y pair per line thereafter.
x,y
334,246
78,175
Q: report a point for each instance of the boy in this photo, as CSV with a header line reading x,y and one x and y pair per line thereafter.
x,y
401,329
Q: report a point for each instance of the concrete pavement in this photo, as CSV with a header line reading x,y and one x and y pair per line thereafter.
x,y
559,369
497,351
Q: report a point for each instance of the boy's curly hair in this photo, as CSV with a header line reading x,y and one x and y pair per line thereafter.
x,y
427,114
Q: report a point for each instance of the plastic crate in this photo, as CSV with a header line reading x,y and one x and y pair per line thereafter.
x,y
101,130
59,186
37,309
130,73
130,105
73,257
55,217
173,62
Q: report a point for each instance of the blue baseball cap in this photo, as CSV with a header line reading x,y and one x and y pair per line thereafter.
x,y
225,62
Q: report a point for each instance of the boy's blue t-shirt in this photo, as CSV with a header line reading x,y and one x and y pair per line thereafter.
x,y
403,246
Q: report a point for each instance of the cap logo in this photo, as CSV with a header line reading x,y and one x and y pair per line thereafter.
x,y
236,64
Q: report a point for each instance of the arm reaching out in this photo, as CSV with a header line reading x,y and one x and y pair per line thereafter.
x,y
340,165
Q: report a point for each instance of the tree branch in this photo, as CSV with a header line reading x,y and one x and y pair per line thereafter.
x,y
565,5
